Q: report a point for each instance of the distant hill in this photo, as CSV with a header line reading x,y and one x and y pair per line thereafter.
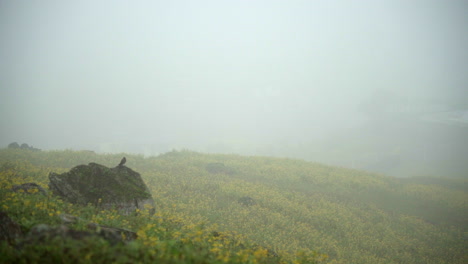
x,y
400,146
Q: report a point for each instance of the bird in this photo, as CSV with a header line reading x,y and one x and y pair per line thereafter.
x,y
122,162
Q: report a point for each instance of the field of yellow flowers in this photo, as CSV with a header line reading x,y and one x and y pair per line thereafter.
x,y
302,212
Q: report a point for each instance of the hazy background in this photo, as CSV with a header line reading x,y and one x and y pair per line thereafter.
x,y
379,85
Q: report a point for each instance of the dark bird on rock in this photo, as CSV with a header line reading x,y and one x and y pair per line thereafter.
x,y
122,162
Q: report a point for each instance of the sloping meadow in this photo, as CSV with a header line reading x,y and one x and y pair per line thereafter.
x,y
286,210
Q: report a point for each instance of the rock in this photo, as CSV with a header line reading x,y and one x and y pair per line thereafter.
x,y
30,187
42,233
14,145
108,188
105,231
24,146
70,219
11,232
111,232
247,201
218,168
9,229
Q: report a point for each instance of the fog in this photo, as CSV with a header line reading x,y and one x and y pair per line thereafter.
x,y
377,85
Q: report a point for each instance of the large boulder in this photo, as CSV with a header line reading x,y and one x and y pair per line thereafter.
x,y
108,188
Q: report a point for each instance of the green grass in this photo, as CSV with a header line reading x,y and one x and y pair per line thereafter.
x,y
301,208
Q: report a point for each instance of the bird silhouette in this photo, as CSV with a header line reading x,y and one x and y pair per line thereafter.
x,y
122,162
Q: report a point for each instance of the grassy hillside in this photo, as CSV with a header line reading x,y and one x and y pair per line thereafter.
x,y
284,210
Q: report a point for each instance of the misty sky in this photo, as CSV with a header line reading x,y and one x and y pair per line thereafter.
x,y
218,75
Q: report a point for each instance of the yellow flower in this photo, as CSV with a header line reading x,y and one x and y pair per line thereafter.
x,y
176,235
215,250
260,253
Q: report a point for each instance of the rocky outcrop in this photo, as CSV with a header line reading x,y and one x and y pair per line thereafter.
x,y
122,235
9,229
104,231
11,232
30,187
15,145
247,201
219,168
108,188
42,233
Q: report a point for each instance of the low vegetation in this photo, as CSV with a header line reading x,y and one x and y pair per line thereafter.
x,y
234,209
